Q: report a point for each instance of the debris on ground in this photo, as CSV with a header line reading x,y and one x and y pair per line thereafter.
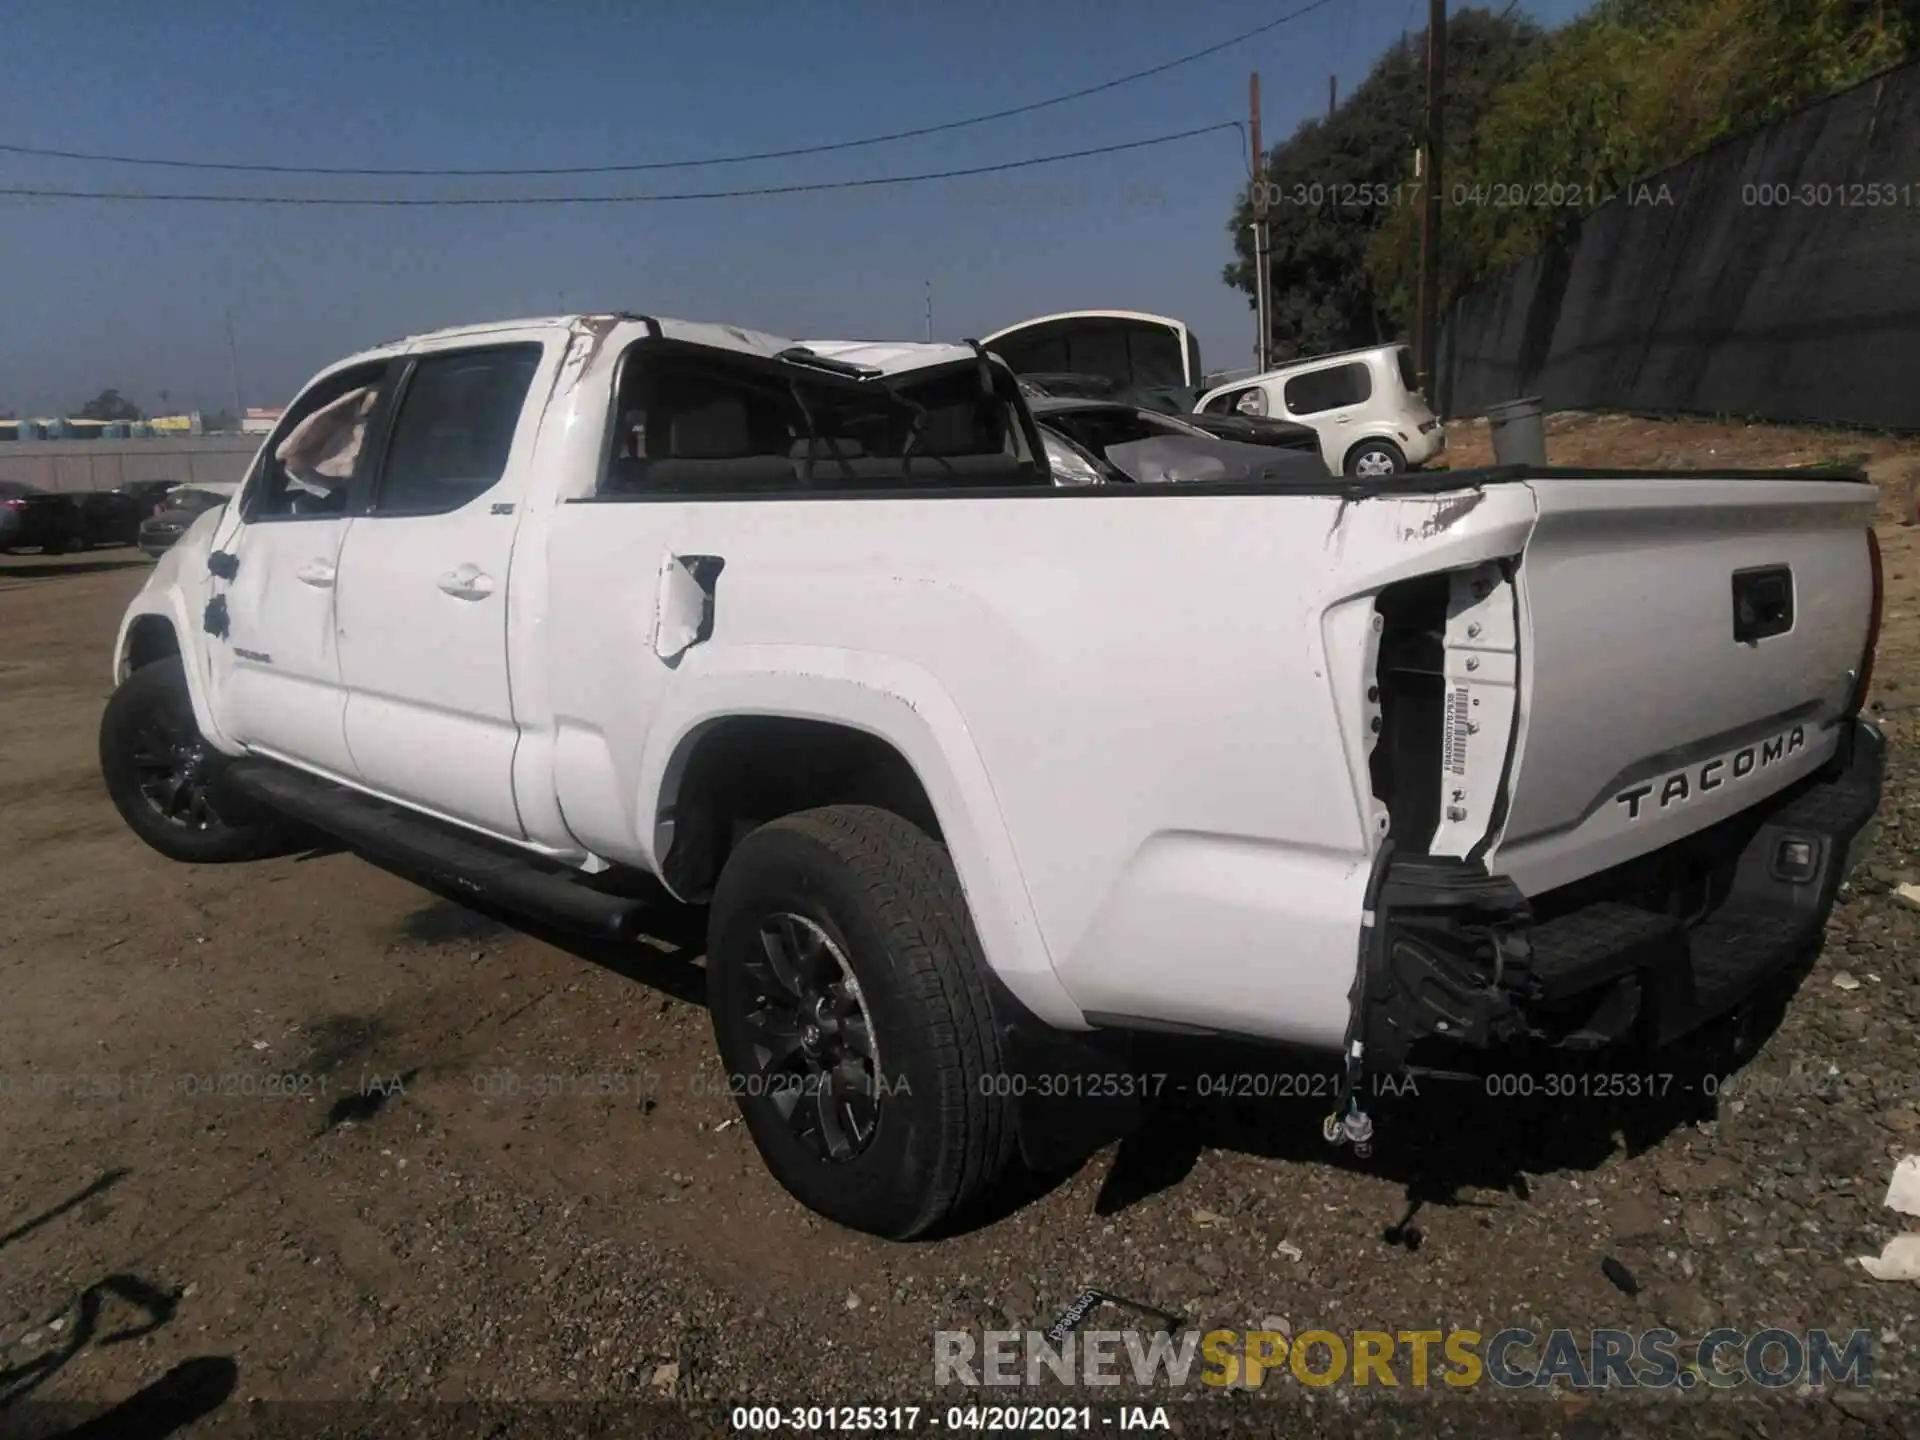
x,y
1899,1259
1623,1279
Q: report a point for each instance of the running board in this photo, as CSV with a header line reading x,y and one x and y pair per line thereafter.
x,y
436,851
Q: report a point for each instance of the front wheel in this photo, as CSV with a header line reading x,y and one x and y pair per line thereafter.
x,y
1371,459
163,777
851,1011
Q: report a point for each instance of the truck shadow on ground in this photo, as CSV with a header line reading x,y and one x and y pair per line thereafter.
x,y
1438,1137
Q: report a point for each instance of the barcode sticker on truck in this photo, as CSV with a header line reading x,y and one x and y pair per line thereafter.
x,y
1456,731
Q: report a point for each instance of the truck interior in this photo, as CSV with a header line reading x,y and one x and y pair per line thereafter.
x,y
695,420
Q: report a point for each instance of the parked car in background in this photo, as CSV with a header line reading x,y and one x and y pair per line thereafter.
x,y
1247,429
35,518
1132,443
112,516
1365,405
183,505
149,494
1135,351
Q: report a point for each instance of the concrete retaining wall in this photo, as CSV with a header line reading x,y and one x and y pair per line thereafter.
x,y
103,464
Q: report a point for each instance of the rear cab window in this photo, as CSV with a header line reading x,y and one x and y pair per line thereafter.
x,y
693,421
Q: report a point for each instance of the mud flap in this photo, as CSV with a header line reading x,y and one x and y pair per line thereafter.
x,y
1073,1093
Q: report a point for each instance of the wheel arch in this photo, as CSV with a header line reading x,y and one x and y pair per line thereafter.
x,y
156,628
1376,436
851,706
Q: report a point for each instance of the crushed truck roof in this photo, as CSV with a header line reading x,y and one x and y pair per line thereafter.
x,y
888,357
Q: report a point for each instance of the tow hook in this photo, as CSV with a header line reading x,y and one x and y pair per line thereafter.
x,y
1348,1124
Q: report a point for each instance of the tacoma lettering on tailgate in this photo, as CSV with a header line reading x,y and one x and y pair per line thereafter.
x,y
1682,785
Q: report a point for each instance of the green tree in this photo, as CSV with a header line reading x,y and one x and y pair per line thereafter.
x,y
108,405
1335,183
1628,89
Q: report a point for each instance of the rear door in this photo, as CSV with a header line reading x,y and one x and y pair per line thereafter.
x,y
422,618
1686,648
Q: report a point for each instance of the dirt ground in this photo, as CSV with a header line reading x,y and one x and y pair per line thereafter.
x,y
303,1131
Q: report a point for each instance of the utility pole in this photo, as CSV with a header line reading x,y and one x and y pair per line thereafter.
x,y
1426,331
1333,95
929,312
1263,331
233,358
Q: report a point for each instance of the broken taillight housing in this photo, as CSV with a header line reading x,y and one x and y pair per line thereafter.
x,y
1874,567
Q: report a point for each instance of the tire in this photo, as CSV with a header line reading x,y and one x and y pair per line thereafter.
x,y
163,777
1376,457
859,892
58,547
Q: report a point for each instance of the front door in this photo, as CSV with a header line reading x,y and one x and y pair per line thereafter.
x,y
422,613
276,669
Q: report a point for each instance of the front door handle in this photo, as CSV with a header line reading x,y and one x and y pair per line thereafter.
x,y
317,573
467,582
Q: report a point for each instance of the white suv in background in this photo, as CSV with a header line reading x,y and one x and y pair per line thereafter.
x,y
1365,404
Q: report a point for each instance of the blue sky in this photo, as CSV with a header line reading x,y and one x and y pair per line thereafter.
x,y
102,293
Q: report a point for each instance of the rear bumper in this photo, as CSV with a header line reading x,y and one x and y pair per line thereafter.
x,y
1426,445
1644,954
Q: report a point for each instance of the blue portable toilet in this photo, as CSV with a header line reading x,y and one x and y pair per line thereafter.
x,y
59,430
143,431
30,430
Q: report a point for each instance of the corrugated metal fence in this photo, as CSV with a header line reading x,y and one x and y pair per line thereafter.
x,y
103,464
1775,276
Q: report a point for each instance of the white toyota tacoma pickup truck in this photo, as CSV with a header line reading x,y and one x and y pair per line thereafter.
x,y
982,777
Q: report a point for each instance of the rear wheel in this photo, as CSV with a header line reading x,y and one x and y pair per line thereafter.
x,y
1371,459
850,1006
164,778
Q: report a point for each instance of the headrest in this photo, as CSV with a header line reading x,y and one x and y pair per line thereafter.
x,y
716,429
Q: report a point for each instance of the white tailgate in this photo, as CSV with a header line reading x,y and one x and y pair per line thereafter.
x,y
1643,718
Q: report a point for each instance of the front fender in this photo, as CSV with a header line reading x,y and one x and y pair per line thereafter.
x,y
904,705
176,592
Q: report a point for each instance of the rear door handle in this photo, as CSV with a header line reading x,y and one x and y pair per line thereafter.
x,y
317,573
467,582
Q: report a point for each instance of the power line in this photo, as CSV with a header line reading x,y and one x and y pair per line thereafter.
x,y
632,198
941,129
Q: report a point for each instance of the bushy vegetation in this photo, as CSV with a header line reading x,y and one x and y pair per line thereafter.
x,y
1539,128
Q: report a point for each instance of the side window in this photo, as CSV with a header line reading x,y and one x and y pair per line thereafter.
x,y
454,429
1329,389
310,464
